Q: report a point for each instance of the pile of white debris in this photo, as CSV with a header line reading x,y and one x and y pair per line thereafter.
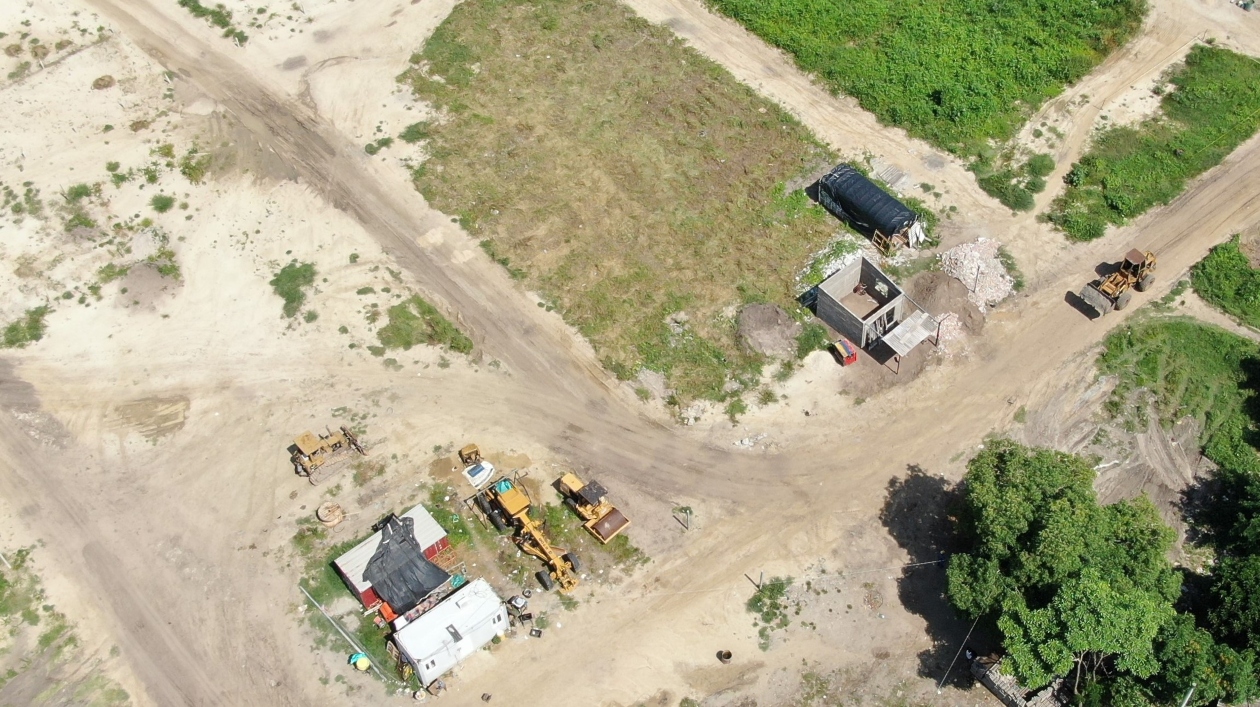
x,y
977,266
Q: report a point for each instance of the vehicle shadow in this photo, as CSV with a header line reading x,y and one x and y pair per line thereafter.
x,y
1081,306
919,512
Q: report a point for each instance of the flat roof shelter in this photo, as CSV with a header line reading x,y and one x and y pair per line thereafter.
x,y
866,307
445,635
428,537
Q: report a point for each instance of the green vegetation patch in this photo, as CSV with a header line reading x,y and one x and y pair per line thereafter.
x,y
414,321
956,72
770,605
1214,106
291,283
1190,369
631,181
219,16
30,327
1226,279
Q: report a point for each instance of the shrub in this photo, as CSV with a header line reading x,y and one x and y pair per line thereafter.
x,y
414,321
162,203
1039,165
415,133
290,284
25,330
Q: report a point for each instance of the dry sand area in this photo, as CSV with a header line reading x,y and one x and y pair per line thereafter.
x,y
142,441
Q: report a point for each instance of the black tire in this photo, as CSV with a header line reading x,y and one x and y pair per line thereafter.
x,y
1123,300
544,580
496,519
573,561
484,504
1145,283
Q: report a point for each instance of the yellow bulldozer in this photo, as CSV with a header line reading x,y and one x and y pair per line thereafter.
x,y
318,457
505,503
590,502
1113,292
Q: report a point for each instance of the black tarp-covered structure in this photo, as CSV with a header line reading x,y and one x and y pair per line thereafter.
x,y
849,195
398,570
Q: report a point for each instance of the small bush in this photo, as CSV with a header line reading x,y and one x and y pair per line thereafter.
x,y
1040,165
25,330
78,192
290,284
310,316
415,133
813,337
112,167
194,165
414,321
162,203
110,272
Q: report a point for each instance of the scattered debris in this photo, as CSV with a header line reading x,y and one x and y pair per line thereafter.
x,y
977,266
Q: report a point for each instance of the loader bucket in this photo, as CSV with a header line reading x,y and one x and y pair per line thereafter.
x,y
1097,300
606,528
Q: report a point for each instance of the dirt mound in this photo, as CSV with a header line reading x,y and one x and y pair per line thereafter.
x,y
939,293
768,330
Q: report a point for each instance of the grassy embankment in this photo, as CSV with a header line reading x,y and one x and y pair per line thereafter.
x,y
1211,106
632,182
958,73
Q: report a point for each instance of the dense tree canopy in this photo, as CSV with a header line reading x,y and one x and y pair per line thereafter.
x,y
1075,586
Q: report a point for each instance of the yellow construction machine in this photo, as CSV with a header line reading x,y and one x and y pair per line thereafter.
x,y
318,457
1136,272
504,502
590,502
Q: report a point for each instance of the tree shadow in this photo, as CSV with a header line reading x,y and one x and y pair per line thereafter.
x,y
919,512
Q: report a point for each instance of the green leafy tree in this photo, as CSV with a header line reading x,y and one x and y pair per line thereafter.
x,y
1237,592
1075,587
1188,655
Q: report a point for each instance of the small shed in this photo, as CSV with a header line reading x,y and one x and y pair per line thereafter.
x,y
442,637
428,538
849,195
866,307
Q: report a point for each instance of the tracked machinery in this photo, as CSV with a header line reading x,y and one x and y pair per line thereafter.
x,y
589,500
506,504
1113,292
319,457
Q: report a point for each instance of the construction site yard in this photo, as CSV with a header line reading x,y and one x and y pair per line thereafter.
x,y
217,236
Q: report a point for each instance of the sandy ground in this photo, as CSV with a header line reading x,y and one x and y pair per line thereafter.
x,y
146,449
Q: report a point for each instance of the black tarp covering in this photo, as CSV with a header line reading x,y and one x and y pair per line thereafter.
x,y
858,200
398,570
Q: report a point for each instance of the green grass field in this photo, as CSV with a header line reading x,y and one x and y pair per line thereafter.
x,y
1211,107
955,72
1226,279
636,185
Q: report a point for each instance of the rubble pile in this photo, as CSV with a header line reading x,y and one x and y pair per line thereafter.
x,y
977,266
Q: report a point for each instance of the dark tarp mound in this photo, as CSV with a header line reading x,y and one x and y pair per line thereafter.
x,y
861,202
398,570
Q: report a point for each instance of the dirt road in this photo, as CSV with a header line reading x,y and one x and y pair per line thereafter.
x,y
192,601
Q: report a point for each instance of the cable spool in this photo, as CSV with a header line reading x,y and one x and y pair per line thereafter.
x,y
329,514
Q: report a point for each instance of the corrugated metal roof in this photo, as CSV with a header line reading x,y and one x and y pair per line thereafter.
x,y
451,631
353,563
863,203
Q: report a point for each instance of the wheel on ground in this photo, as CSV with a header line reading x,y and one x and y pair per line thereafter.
x,y
544,580
484,504
573,561
1145,283
1123,300
496,519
